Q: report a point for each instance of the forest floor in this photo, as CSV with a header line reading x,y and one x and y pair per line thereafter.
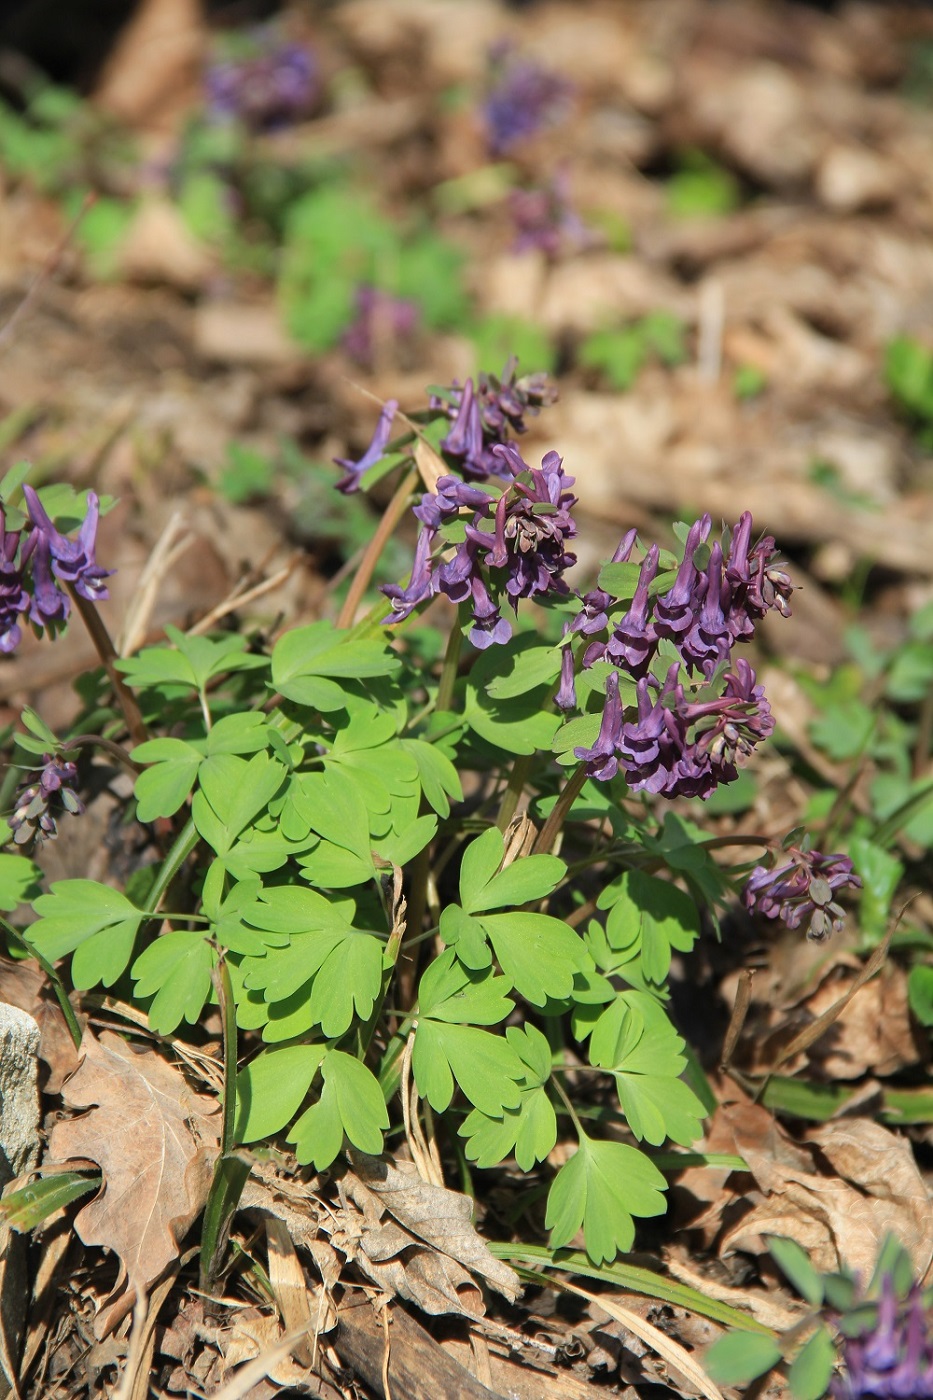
x,y
735,298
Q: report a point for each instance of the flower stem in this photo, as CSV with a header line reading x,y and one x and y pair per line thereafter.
x,y
445,688
518,777
361,579
568,796
563,1095
185,842
108,655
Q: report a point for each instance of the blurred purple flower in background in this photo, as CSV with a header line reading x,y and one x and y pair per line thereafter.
x,y
803,888
46,791
545,219
14,596
382,321
522,99
891,1353
271,83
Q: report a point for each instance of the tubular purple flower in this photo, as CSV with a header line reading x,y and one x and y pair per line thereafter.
x,y
73,561
601,761
525,98
634,640
489,627
44,793
566,697
48,605
708,640
373,454
674,612
381,320
421,585
753,583
464,442
14,597
890,1357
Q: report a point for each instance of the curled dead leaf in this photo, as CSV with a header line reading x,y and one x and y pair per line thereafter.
x,y
154,1140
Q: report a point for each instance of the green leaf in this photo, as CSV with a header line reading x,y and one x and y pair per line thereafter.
x,y
161,789
305,655
318,1133
335,810
601,1187
450,992
464,933
37,726
794,1263
481,860
28,1207
652,913
439,778
528,878
95,922
177,968
520,725
811,1370
360,1105
485,1066
740,1357
530,1131
231,793
636,1042
880,873
19,880
533,666
537,953
271,1087
919,988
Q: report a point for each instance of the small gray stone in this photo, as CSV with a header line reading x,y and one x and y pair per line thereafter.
x,y
19,1152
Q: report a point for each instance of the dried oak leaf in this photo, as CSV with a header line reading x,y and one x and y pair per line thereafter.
x,y
837,1193
154,1140
433,1216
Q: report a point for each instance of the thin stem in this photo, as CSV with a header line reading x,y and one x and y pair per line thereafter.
x,y
445,688
97,741
184,844
108,655
51,973
568,796
518,777
224,988
391,516
562,1094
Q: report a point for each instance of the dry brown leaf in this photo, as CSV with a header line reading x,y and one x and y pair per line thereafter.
x,y
839,1215
441,1218
154,1140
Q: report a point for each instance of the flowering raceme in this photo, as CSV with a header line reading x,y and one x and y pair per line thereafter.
x,y
514,543
45,792
804,886
685,736
35,562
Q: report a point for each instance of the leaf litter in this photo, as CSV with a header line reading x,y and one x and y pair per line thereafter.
x,y
802,106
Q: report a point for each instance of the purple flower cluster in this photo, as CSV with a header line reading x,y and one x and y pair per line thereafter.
x,y
35,562
545,219
514,545
524,97
893,1356
483,416
675,744
274,84
803,887
46,791
381,320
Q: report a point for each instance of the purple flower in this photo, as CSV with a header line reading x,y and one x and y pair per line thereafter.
x,y
274,85
421,584
514,545
673,614
524,98
545,219
48,605
14,597
802,888
465,442
373,454
72,561
601,761
566,697
730,726
381,320
753,582
45,792
892,1354
634,640
708,639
